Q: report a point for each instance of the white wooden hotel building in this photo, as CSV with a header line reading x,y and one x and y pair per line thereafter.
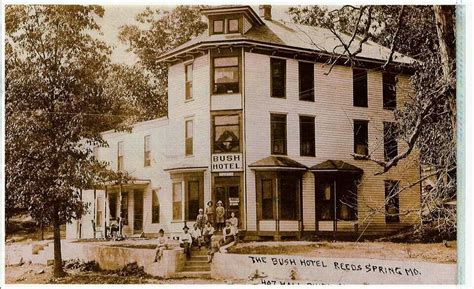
x,y
255,120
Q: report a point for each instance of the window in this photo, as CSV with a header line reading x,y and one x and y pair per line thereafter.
x,y
226,75
124,208
218,26
192,202
390,141
324,199
279,194
278,134
389,90
100,211
278,79
359,77
113,205
392,202
189,81
267,199
233,25
177,201
226,133
155,207
289,195
307,136
361,137
306,80
147,152
120,156
189,137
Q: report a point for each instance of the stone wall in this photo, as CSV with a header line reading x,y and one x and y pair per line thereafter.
x,y
280,269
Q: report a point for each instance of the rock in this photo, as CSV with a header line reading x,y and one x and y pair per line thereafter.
x,y
50,262
40,272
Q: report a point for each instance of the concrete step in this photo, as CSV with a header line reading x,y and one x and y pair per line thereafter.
x,y
197,268
198,258
193,274
196,262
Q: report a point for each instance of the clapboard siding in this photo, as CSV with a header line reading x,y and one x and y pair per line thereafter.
x,y
334,114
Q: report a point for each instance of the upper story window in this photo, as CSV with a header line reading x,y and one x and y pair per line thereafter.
x,y
147,152
361,137
390,141
278,134
307,136
218,26
233,25
226,133
120,156
359,84
189,137
306,80
389,90
226,75
189,81
278,77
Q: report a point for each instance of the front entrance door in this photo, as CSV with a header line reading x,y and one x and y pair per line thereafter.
x,y
227,190
138,212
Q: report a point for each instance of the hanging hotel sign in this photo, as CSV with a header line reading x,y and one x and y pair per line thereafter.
x,y
226,162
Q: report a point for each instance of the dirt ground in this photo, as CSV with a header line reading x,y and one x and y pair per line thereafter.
x,y
433,252
41,274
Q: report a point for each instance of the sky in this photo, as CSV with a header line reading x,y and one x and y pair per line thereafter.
x,y
117,15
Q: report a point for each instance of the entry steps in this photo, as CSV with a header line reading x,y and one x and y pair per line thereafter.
x,y
197,266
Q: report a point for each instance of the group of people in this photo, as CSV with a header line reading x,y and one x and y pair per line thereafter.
x,y
202,232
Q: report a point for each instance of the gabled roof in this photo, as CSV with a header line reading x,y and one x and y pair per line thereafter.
x,y
336,166
277,162
291,36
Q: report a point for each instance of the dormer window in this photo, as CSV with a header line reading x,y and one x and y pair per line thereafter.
x,y
218,26
233,25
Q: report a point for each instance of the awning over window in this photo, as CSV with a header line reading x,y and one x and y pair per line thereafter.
x,y
186,168
335,166
277,163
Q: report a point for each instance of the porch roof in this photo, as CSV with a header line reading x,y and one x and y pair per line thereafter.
x,y
182,168
277,162
335,166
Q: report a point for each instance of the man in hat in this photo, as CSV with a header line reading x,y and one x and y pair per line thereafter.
x,y
220,216
186,241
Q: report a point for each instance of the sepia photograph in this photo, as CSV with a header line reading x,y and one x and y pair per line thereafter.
x,y
233,144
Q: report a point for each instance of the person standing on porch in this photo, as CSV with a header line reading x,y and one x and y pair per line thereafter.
x,y
201,219
220,216
234,222
210,212
186,241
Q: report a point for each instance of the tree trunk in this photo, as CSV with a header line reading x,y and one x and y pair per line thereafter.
x,y
446,38
42,231
58,266
445,28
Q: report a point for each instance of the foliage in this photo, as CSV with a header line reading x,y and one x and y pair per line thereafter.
x,y
427,120
56,107
154,33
